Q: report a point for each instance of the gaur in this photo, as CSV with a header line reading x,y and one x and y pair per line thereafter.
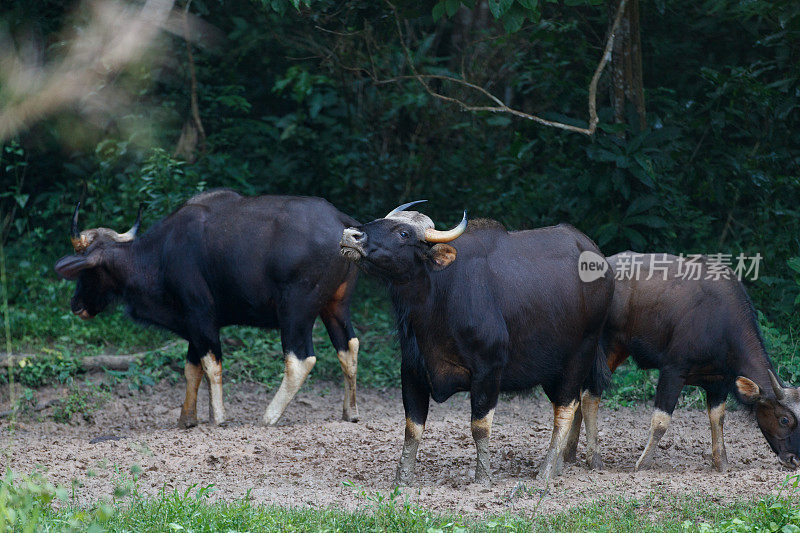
x,y
223,259
485,310
697,326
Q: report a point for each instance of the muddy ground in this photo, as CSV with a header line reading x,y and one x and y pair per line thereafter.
x,y
308,458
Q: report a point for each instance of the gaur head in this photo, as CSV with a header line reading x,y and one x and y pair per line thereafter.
x,y
398,245
777,414
90,265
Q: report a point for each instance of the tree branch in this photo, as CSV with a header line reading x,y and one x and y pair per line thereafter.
x,y
91,362
500,106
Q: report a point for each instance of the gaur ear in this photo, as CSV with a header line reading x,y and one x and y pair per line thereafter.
x,y
70,266
441,255
748,390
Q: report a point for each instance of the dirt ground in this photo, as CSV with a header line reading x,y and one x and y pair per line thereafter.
x,y
309,456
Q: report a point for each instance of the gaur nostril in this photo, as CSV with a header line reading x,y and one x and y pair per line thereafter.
x,y
354,235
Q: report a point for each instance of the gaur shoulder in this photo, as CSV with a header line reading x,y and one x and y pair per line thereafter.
x,y
213,195
206,197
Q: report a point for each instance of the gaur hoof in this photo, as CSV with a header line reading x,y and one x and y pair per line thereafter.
x,y
595,462
643,464
271,420
571,457
558,469
483,478
721,466
222,424
403,479
186,422
350,417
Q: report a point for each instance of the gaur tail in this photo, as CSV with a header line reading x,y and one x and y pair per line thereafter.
x,y
599,377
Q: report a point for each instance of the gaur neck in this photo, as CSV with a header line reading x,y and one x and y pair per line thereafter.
x,y
134,270
754,363
413,292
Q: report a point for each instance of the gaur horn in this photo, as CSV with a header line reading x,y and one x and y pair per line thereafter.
x,y
78,243
82,239
403,208
777,388
131,233
432,235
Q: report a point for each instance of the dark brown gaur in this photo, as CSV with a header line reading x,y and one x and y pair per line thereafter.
x,y
700,332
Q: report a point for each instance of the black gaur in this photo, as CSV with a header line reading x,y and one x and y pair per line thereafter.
x,y
484,310
224,259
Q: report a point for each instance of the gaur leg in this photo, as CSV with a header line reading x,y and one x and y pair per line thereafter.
x,y
588,414
715,402
194,375
212,366
299,360
416,399
336,317
563,415
484,391
203,337
668,390
564,392
571,447
590,404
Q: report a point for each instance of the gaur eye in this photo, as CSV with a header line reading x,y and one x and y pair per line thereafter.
x,y
784,420
404,234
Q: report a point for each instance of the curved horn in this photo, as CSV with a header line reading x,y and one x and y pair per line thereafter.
x,y
403,207
432,235
74,232
777,388
131,233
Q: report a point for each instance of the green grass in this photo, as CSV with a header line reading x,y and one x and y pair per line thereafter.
x,y
27,504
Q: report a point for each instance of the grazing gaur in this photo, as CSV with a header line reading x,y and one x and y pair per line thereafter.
x,y
697,328
484,310
224,259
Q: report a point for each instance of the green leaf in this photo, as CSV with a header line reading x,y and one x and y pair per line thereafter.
x,y
642,175
438,10
499,7
532,5
636,238
642,204
452,7
21,199
514,20
794,264
651,221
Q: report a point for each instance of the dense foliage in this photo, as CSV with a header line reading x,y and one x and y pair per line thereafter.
x,y
309,102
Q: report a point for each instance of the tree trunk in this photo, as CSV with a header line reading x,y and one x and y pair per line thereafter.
x,y
626,68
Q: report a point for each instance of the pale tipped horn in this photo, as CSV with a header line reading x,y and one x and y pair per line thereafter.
x,y
777,388
79,242
131,233
432,235
403,207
